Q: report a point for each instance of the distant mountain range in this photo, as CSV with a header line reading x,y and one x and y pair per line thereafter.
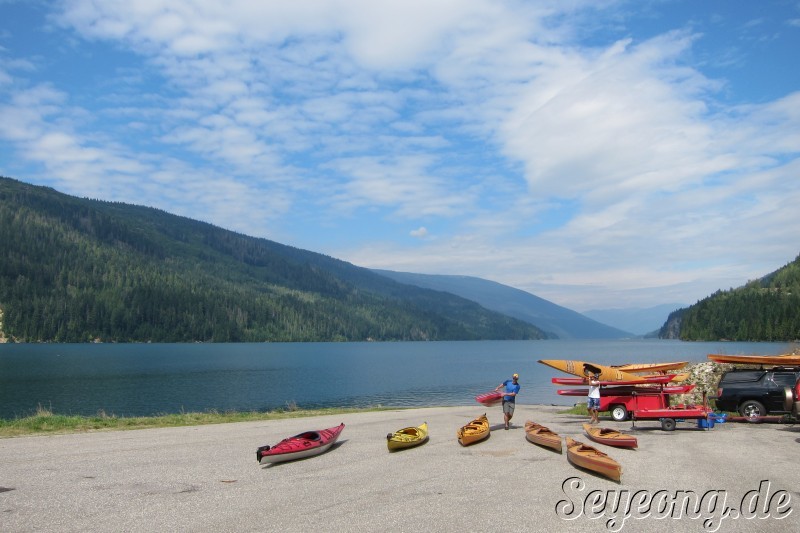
x,y
640,321
545,315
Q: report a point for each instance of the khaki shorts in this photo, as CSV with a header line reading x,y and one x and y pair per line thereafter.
x,y
508,407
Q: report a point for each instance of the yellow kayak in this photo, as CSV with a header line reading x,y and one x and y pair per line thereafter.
x,y
584,369
636,368
407,437
475,431
789,359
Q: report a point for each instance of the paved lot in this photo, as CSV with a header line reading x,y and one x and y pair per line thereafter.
x,y
207,479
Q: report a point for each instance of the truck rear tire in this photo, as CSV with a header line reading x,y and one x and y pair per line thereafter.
x,y
752,410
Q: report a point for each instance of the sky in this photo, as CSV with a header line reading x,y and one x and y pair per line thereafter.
x,y
600,154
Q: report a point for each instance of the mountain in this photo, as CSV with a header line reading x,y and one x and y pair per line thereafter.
x,y
77,270
640,321
560,321
766,309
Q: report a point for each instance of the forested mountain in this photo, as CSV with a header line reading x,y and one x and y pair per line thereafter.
x,y
77,270
552,318
767,309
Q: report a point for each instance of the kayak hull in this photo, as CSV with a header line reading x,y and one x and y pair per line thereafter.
x,y
610,437
543,436
489,398
407,437
307,444
585,370
651,367
781,360
589,458
623,390
474,432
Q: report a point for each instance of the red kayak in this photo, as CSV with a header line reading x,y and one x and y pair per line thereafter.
x,y
300,446
489,398
626,391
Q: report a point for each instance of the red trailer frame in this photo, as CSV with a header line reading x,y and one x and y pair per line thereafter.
x,y
669,415
621,400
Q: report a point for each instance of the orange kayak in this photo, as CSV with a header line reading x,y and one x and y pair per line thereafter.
x,y
788,359
611,437
475,431
584,456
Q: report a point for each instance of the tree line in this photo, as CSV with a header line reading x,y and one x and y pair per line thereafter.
x,y
767,309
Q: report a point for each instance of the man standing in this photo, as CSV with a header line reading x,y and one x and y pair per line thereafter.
x,y
511,389
593,401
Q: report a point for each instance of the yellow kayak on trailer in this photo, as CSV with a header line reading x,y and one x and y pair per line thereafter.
x,y
636,368
789,359
585,370
475,431
407,437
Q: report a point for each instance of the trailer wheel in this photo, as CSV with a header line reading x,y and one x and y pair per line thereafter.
x,y
619,413
668,424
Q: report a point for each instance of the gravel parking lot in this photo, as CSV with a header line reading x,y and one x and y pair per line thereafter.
x,y
206,478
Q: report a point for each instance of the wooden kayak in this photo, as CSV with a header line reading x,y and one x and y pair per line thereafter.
x,y
539,434
300,446
584,456
788,359
407,437
650,367
674,378
584,369
610,437
641,380
489,398
475,431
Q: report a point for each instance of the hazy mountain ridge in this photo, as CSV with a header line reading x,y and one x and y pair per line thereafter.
x,y
547,316
637,320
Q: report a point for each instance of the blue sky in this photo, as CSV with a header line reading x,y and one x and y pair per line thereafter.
x,y
596,153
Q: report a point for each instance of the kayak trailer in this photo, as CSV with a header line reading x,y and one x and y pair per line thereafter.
x,y
670,415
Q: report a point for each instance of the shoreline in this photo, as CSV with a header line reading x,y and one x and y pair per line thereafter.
x,y
48,423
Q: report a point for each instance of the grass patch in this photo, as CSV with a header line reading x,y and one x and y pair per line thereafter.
x,y
579,409
45,422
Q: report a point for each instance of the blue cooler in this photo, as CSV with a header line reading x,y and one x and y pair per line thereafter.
x,y
705,423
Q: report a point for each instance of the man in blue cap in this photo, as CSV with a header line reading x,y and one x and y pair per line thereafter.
x,y
511,387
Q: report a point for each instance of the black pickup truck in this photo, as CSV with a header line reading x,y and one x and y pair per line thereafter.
x,y
755,393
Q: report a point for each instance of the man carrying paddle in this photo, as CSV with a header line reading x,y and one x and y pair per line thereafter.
x,y
511,387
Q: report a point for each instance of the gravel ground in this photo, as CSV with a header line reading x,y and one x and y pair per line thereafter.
x,y
206,478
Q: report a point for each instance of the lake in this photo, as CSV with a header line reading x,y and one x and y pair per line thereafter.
x,y
151,379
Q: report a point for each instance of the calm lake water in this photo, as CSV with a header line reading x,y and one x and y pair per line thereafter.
x,y
149,379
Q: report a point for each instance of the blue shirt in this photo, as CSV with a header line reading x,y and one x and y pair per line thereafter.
x,y
510,387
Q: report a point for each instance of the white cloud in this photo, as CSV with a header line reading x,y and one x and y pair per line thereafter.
x,y
420,232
